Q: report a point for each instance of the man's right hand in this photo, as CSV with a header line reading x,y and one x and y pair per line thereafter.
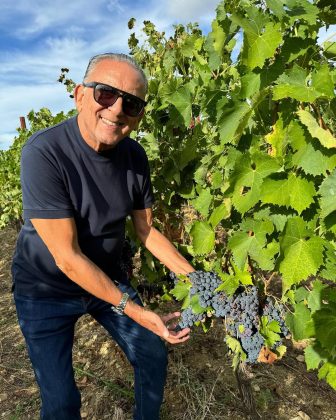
x,y
156,324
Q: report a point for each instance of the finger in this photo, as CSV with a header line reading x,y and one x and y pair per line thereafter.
x,y
168,317
178,341
180,334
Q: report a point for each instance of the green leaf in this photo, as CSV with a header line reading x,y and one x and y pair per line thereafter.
x,y
195,306
250,85
301,260
327,192
218,36
236,348
315,296
297,84
270,331
261,38
230,284
203,238
247,179
325,327
295,192
261,46
329,49
219,213
313,357
322,81
181,290
325,137
302,9
229,119
278,138
312,159
328,372
203,202
329,269
301,295
300,322
250,241
276,7
182,101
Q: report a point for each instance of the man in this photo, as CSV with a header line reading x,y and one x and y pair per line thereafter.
x,y
80,180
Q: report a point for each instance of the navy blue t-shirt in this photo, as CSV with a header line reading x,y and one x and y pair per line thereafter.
x,y
61,177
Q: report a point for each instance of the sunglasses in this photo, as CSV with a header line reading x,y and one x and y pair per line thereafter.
x,y
106,96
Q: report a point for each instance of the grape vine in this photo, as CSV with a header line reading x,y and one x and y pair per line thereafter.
x,y
240,132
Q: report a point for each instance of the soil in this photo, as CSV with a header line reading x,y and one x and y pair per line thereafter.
x,y
201,384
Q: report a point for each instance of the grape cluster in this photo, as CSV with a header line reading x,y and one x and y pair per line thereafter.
x,y
204,285
241,311
188,319
242,321
274,313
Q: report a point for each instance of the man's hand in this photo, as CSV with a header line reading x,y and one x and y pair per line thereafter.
x,y
175,337
161,326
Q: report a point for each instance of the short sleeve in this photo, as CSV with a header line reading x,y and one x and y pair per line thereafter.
x,y
44,193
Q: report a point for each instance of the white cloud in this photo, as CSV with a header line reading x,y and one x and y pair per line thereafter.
x,y
19,100
190,10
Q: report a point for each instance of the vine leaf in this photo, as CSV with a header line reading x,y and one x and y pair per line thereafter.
x,y
270,331
229,119
203,238
251,241
313,357
261,37
302,9
325,327
181,99
325,137
219,213
295,192
248,177
181,290
327,192
300,322
301,260
203,202
294,84
328,372
315,296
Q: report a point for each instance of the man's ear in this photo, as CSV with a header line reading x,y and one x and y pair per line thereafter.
x,y
78,95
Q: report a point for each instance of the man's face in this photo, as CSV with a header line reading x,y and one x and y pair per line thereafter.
x,y
103,128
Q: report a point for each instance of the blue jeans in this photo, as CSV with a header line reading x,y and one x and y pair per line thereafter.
x,y
48,327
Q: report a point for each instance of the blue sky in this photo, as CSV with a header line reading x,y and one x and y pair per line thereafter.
x,y
39,37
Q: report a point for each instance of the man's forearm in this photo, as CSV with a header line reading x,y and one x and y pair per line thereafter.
x,y
90,277
165,252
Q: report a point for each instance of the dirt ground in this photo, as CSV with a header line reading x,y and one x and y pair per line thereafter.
x,y
200,386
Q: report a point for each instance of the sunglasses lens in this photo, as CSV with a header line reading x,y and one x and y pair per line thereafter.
x,y
106,96
132,106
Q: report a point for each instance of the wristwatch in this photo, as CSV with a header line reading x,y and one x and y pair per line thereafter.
x,y
122,304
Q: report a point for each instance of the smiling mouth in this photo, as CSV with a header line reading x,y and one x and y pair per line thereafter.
x,y
112,123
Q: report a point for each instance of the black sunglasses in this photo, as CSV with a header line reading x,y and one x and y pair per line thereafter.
x,y
107,95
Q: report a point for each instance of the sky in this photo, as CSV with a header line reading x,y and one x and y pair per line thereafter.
x,y
39,37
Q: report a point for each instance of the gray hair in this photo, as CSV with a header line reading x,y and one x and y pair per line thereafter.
x,y
115,57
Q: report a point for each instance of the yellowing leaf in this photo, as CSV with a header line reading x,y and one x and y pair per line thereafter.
x,y
324,136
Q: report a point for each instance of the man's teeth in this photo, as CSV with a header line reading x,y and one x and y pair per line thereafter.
x,y
114,124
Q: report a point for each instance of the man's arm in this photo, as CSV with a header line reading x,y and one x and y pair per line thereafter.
x,y
60,237
158,244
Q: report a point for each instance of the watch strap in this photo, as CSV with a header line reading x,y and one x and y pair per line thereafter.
x,y
119,309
